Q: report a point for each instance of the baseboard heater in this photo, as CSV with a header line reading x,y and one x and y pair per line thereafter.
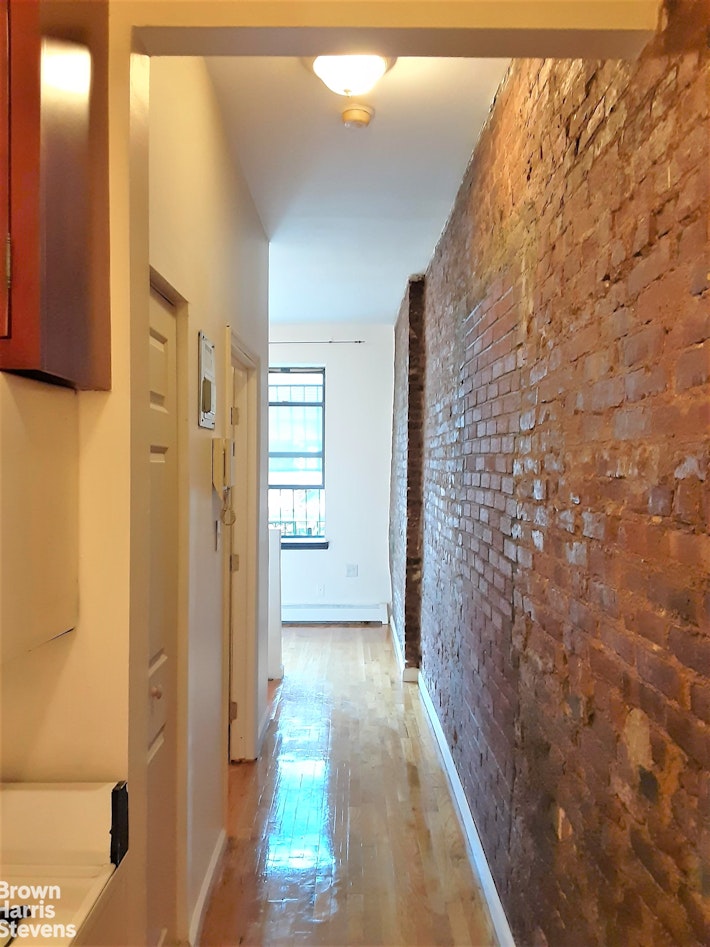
x,y
334,614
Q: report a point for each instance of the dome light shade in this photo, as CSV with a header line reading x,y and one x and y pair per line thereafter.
x,y
350,75
357,116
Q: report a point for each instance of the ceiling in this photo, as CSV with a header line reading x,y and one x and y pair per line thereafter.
x,y
351,213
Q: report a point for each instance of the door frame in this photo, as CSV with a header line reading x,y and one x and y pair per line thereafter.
x,y
179,304
241,636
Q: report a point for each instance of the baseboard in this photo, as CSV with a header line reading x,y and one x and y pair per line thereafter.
x,y
409,675
475,848
206,887
332,614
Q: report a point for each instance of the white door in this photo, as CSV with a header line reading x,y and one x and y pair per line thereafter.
x,y
162,772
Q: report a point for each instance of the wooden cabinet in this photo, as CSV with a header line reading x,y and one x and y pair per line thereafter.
x,y
4,159
54,322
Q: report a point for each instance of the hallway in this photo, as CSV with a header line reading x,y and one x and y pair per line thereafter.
x,y
344,832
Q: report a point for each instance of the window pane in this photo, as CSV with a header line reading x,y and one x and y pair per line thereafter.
x,y
296,386
296,429
295,471
295,393
296,467
298,512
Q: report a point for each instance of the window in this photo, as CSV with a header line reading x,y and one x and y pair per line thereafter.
x,y
296,452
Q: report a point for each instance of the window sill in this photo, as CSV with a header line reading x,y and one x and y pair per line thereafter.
x,y
303,543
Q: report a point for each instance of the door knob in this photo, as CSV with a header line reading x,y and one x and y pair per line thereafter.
x,y
156,692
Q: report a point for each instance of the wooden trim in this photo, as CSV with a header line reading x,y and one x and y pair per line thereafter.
x,y
241,352
474,847
164,288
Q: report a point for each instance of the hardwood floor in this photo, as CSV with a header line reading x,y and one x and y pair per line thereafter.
x,y
343,832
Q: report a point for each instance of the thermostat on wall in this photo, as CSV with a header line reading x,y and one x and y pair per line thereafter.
x,y
207,384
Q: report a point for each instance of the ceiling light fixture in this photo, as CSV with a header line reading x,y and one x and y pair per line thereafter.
x,y
351,75
355,115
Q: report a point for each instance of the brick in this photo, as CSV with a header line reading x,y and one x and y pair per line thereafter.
x,y
691,649
644,234
690,549
692,329
649,700
688,501
619,643
606,668
693,367
594,525
692,737
676,597
649,268
694,242
700,701
643,347
655,669
651,625
631,423
660,501
645,382
683,418
694,904
607,393
692,195
654,862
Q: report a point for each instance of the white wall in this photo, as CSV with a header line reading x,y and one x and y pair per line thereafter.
x,y
358,444
206,240
63,703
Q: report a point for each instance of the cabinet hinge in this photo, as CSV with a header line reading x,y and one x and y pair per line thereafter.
x,y
234,562
232,710
235,416
8,260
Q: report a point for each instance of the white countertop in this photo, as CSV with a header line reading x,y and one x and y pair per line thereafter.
x,y
54,857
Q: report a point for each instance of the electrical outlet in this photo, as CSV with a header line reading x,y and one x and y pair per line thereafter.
x,y
351,570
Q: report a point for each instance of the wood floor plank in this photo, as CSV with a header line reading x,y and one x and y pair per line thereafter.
x,y
344,832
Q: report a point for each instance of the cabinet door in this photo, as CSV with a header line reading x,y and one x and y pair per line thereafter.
x,y
20,350
4,162
54,322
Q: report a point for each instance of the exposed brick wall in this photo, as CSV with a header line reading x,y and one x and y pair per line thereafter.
x,y
406,481
565,599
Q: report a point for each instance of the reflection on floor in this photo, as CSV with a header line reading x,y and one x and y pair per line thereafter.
x,y
344,833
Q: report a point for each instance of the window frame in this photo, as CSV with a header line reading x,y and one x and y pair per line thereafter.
x,y
300,541
296,370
